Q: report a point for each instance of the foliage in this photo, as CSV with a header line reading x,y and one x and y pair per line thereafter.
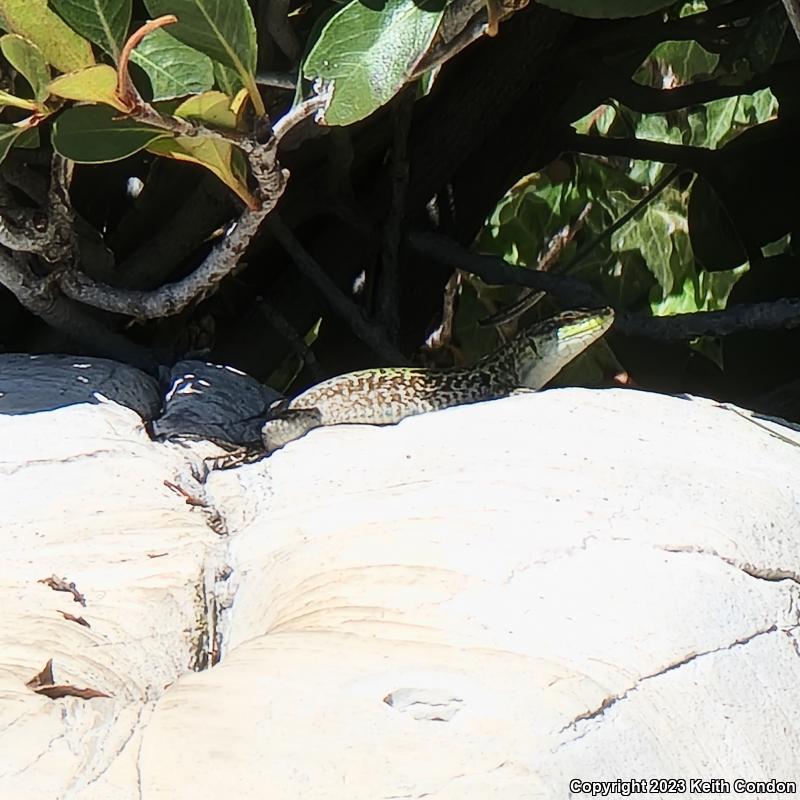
x,y
100,84
370,53
649,262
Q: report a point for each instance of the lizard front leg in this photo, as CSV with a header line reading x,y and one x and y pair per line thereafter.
x,y
288,425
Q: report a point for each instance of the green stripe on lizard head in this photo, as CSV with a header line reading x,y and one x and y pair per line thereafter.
x,y
540,351
583,322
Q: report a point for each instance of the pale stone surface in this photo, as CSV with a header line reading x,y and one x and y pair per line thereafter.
x,y
479,603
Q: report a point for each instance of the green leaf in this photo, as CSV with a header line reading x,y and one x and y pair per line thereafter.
x,y
97,134
222,29
728,117
226,79
97,84
7,99
720,121
60,45
765,106
600,119
213,108
221,158
370,52
225,160
27,59
174,68
104,22
531,212
682,61
703,291
608,9
661,234
29,139
8,135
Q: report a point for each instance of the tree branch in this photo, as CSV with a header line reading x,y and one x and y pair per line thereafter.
x,y
40,297
49,232
495,271
388,283
443,52
351,313
698,159
172,298
777,315
158,245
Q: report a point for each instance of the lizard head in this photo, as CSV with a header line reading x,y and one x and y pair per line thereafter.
x,y
540,351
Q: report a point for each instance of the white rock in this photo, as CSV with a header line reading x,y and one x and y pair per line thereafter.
x,y
485,602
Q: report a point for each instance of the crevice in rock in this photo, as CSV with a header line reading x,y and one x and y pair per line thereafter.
x,y
613,699
200,638
45,752
112,757
211,602
774,574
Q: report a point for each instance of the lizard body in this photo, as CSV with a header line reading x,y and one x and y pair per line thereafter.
x,y
386,396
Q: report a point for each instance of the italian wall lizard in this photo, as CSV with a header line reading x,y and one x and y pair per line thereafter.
x,y
387,396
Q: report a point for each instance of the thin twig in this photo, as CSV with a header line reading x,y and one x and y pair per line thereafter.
x,y
551,254
441,337
701,160
278,80
447,50
286,331
351,313
294,116
618,223
528,299
148,115
555,247
254,149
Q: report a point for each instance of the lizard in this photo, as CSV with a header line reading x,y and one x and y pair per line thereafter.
x,y
385,396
